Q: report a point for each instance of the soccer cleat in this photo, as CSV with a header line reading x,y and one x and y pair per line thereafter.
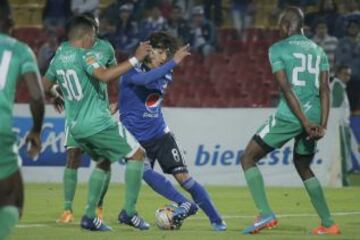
x,y
100,213
66,217
185,210
134,220
265,221
94,224
332,230
219,227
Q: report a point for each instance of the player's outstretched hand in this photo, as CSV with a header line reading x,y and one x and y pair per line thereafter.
x,y
33,142
143,50
183,52
58,103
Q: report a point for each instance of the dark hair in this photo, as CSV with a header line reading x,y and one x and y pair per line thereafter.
x,y
320,21
341,67
164,40
6,20
79,25
92,18
322,6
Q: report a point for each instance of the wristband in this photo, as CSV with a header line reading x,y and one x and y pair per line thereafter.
x,y
133,61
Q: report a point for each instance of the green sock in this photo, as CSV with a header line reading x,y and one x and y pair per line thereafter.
x,y
104,189
70,182
314,189
133,176
255,183
96,183
9,216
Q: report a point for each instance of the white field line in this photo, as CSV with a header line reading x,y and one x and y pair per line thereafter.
x,y
225,217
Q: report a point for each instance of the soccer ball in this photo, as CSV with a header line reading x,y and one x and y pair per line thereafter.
x,y
163,216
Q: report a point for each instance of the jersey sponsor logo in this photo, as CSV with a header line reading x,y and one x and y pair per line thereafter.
x,y
153,102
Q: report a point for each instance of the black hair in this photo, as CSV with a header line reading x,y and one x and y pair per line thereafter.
x,y
6,20
164,40
342,67
78,26
93,18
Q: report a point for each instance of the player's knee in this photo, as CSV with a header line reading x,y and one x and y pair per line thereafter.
x,y
139,155
73,158
181,177
104,165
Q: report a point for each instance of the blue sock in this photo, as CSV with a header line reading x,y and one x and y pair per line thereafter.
x,y
162,186
202,198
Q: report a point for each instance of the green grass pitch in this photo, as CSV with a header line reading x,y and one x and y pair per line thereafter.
x,y
296,215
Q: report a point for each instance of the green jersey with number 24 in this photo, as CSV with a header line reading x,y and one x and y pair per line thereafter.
x,y
86,99
302,60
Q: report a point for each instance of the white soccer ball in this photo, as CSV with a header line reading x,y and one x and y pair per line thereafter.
x,y
163,216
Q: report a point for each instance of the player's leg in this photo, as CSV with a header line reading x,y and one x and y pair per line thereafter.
x,y
11,202
171,160
303,156
157,181
133,177
201,198
70,178
273,134
100,205
119,143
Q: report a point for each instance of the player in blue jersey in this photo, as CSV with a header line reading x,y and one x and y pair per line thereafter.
x,y
142,90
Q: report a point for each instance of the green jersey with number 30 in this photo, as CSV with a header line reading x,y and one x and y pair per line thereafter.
x,y
302,60
86,98
16,59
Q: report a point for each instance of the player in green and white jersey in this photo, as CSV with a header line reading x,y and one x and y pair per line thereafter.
x,y
106,54
81,76
17,62
301,70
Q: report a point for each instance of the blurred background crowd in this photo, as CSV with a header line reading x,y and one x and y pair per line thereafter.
x,y
229,39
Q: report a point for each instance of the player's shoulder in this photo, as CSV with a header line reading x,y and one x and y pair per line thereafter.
x,y
277,45
102,43
15,44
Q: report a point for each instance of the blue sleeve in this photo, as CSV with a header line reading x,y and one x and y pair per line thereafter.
x,y
145,78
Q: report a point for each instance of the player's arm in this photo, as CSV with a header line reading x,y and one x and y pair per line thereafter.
x,y
30,74
145,78
108,74
324,90
291,99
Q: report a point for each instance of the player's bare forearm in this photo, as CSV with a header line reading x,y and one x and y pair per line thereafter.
x,y
290,97
324,97
48,85
109,74
36,91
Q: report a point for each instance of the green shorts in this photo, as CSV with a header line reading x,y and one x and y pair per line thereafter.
x,y
112,144
276,132
70,142
9,157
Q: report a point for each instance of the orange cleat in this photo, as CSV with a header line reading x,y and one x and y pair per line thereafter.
x,y
66,217
100,213
332,230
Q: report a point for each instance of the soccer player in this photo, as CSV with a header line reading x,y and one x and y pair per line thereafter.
x,y
82,76
142,90
17,62
103,49
301,69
